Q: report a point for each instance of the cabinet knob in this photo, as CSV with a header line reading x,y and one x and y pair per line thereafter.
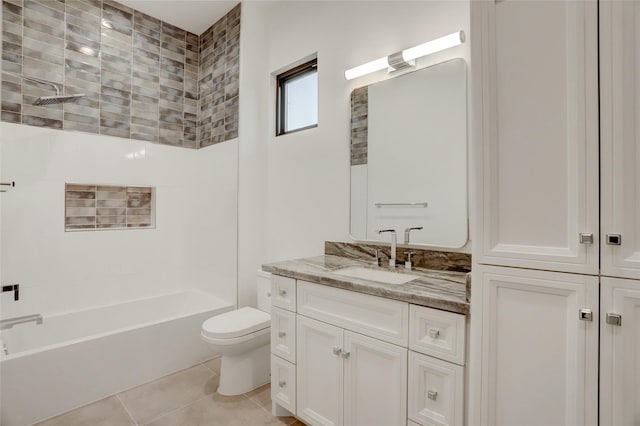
x,y
614,319
432,395
282,334
434,333
586,238
346,355
282,383
585,314
283,292
614,239
337,351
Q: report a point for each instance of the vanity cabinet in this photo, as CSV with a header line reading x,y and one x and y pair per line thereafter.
x,y
362,360
539,359
535,80
620,138
620,352
346,378
537,121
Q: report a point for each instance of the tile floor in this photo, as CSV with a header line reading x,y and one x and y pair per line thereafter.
x,y
185,398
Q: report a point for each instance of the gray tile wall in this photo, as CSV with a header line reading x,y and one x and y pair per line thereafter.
x,y
219,80
106,207
359,125
140,76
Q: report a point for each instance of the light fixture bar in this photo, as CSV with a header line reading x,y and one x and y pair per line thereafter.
x,y
433,46
407,55
369,67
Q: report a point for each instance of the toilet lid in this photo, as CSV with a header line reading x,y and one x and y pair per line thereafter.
x,y
236,323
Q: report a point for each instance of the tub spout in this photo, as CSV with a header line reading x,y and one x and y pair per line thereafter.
x,y
10,322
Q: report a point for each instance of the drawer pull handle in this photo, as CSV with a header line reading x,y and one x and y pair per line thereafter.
x,y
282,334
346,355
283,293
337,351
282,383
432,395
434,333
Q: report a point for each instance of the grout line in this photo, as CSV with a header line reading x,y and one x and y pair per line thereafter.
x,y
203,364
126,409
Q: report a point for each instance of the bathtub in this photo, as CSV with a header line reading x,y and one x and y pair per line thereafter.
x,y
76,358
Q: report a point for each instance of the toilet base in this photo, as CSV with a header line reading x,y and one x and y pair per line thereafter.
x,y
244,372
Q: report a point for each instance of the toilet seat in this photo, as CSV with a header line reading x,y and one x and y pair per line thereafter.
x,y
238,325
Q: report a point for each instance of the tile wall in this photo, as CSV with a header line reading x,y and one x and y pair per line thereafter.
x,y
359,125
139,75
219,80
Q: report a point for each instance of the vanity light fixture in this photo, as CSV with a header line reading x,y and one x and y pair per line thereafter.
x,y
402,59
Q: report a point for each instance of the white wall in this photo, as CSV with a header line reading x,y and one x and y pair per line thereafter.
x,y
192,246
300,182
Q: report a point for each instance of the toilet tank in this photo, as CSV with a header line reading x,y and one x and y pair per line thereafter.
x,y
263,285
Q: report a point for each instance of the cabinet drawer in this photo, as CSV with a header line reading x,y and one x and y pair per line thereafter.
x,y
283,383
436,394
283,292
437,333
283,334
384,319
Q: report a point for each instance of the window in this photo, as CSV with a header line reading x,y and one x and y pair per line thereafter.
x,y
297,98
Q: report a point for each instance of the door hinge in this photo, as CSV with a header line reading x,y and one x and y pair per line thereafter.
x,y
614,319
585,314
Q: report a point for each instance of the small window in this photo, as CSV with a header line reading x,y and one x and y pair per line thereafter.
x,y
297,98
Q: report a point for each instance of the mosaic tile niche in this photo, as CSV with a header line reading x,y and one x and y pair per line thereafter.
x,y
142,78
91,207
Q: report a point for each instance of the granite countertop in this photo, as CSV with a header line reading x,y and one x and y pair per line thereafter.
x,y
446,290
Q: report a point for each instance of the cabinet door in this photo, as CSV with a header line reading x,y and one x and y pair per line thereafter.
x,y
536,104
375,382
620,142
539,360
320,373
620,353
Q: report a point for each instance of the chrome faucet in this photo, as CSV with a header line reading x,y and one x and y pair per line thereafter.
x,y
392,256
10,322
407,231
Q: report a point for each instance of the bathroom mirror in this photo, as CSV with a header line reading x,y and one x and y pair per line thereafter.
x,y
409,157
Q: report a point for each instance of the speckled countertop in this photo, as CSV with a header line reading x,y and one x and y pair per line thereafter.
x,y
445,290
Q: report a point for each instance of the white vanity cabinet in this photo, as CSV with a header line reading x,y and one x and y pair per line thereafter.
x,y
535,80
620,138
620,352
353,365
539,358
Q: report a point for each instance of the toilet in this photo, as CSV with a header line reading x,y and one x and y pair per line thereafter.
x,y
242,337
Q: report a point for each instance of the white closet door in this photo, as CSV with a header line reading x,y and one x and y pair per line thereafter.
x,y
620,353
620,142
539,359
536,109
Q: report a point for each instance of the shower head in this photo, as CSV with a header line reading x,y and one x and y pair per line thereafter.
x,y
58,99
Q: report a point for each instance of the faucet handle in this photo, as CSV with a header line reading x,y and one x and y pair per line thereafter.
x,y
376,260
407,264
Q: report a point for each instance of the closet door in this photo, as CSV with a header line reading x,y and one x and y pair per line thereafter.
x,y
620,141
536,116
620,352
539,358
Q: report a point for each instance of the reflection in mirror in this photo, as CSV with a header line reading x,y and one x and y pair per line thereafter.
x,y
409,157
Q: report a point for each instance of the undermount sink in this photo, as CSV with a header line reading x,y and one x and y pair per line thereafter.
x,y
375,275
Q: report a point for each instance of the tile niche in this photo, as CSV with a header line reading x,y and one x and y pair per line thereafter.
x,y
92,207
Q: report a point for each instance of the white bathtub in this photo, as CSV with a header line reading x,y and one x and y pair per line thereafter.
x,y
79,357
